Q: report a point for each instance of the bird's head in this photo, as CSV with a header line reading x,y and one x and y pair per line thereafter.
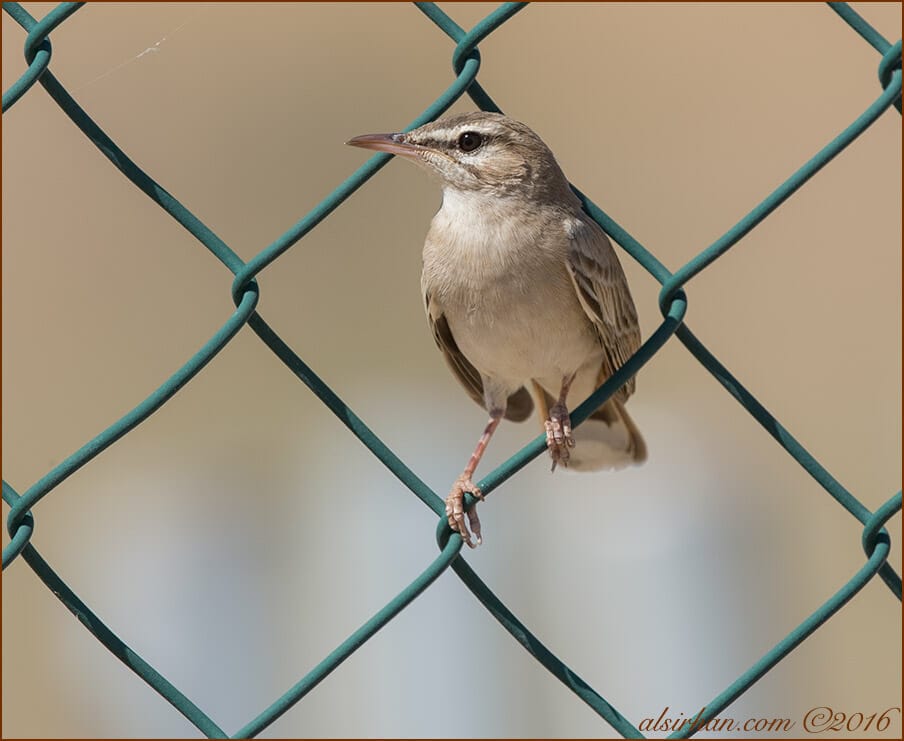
x,y
484,152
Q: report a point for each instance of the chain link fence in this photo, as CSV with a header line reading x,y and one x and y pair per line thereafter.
x,y
673,303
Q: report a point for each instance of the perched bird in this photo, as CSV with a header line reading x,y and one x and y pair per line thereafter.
x,y
523,291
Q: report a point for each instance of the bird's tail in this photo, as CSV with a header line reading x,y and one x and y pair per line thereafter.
x,y
608,439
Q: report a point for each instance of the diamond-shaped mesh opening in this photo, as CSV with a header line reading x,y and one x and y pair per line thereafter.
x,y
673,304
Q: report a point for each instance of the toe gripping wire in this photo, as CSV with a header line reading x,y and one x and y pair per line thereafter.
x,y
245,292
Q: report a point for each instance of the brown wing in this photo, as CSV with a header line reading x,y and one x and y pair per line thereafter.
x,y
603,292
519,405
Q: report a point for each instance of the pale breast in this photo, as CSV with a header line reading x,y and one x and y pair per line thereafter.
x,y
501,281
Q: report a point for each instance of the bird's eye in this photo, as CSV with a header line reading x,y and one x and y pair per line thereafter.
x,y
469,141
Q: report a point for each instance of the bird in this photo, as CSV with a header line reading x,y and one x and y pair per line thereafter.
x,y
523,292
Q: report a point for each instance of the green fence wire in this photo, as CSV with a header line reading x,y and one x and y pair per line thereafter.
x,y
673,303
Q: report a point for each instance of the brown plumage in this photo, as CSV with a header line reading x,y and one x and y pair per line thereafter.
x,y
524,294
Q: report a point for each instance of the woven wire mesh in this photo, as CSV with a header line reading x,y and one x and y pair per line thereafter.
x,y
673,303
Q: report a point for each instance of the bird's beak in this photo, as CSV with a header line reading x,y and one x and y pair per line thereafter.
x,y
392,143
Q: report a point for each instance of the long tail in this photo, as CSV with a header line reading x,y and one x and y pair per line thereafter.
x,y
609,439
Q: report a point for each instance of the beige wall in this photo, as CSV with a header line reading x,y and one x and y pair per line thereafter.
x,y
241,533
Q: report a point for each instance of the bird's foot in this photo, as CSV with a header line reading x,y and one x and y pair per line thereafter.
x,y
455,510
558,435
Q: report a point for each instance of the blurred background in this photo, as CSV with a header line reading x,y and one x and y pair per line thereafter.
x,y
241,533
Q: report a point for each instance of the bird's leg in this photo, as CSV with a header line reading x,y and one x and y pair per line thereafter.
x,y
558,427
455,501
